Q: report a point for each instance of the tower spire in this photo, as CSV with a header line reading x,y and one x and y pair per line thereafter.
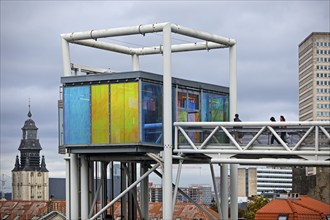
x,y
29,114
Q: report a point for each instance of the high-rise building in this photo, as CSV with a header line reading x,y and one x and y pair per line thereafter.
x,y
263,181
314,77
314,105
29,176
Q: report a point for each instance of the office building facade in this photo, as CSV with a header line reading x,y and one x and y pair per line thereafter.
x,y
314,77
263,180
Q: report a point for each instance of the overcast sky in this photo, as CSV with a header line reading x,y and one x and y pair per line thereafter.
x,y
267,33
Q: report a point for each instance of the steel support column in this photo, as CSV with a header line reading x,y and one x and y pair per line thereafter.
x,y
144,192
224,190
167,121
233,111
67,186
84,187
74,189
136,62
123,187
66,57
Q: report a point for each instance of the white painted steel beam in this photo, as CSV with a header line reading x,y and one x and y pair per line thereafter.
x,y
84,187
113,32
67,185
224,190
74,193
167,124
148,28
66,58
148,50
251,124
274,161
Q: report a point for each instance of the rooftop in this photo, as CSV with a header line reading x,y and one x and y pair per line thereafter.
x,y
304,208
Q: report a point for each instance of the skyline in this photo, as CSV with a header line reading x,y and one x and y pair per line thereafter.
x,y
267,35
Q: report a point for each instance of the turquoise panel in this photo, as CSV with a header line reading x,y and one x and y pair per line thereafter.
x,y
77,115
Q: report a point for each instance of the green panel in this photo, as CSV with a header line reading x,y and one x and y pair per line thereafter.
x,y
100,114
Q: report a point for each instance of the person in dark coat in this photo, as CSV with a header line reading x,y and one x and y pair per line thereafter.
x,y
238,135
283,133
273,136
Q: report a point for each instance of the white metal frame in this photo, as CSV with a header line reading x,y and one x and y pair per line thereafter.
x,y
207,41
311,154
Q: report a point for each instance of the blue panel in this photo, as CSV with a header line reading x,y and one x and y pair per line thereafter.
x,y
152,122
77,115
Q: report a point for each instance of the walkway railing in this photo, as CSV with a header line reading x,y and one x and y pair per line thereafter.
x,y
282,143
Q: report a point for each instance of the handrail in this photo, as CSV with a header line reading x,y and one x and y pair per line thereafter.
x,y
309,142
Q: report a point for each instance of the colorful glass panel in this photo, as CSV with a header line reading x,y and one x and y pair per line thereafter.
x,y
100,114
77,115
124,112
131,113
152,109
215,107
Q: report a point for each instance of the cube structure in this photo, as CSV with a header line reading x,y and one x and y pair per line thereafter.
x,y
126,108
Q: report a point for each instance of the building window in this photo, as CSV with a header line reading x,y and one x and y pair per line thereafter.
x,y
283,217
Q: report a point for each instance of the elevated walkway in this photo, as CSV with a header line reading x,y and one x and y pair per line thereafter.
x,y
305,143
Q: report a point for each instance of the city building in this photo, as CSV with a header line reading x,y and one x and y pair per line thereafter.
x,y
200,193
314,77
263,181
29,176
314,99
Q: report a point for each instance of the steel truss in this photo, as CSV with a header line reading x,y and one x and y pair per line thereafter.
x,y
308,143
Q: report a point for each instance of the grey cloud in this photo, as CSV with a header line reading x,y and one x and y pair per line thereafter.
x,y
268,34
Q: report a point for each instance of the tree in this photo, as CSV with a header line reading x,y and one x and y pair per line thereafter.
x,y
254,205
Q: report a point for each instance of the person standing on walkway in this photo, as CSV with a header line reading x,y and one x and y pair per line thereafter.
x,y
273,136
238,135
283,133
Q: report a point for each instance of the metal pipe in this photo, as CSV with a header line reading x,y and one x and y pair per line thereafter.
x,y
125,191
187,138
233,191
66,58
113,32
217,199
202,35
271,162
224,190
254,138
105,46
178,174
178,48
208,137
144,192
96,195
74,187
253,152
136,62
167,122
251,124
84,187
67,186
231,138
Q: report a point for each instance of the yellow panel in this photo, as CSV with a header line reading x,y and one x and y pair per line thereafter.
x,y
117,117
131,112
100,114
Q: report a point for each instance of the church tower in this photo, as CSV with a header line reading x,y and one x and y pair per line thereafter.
x,y
29,176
